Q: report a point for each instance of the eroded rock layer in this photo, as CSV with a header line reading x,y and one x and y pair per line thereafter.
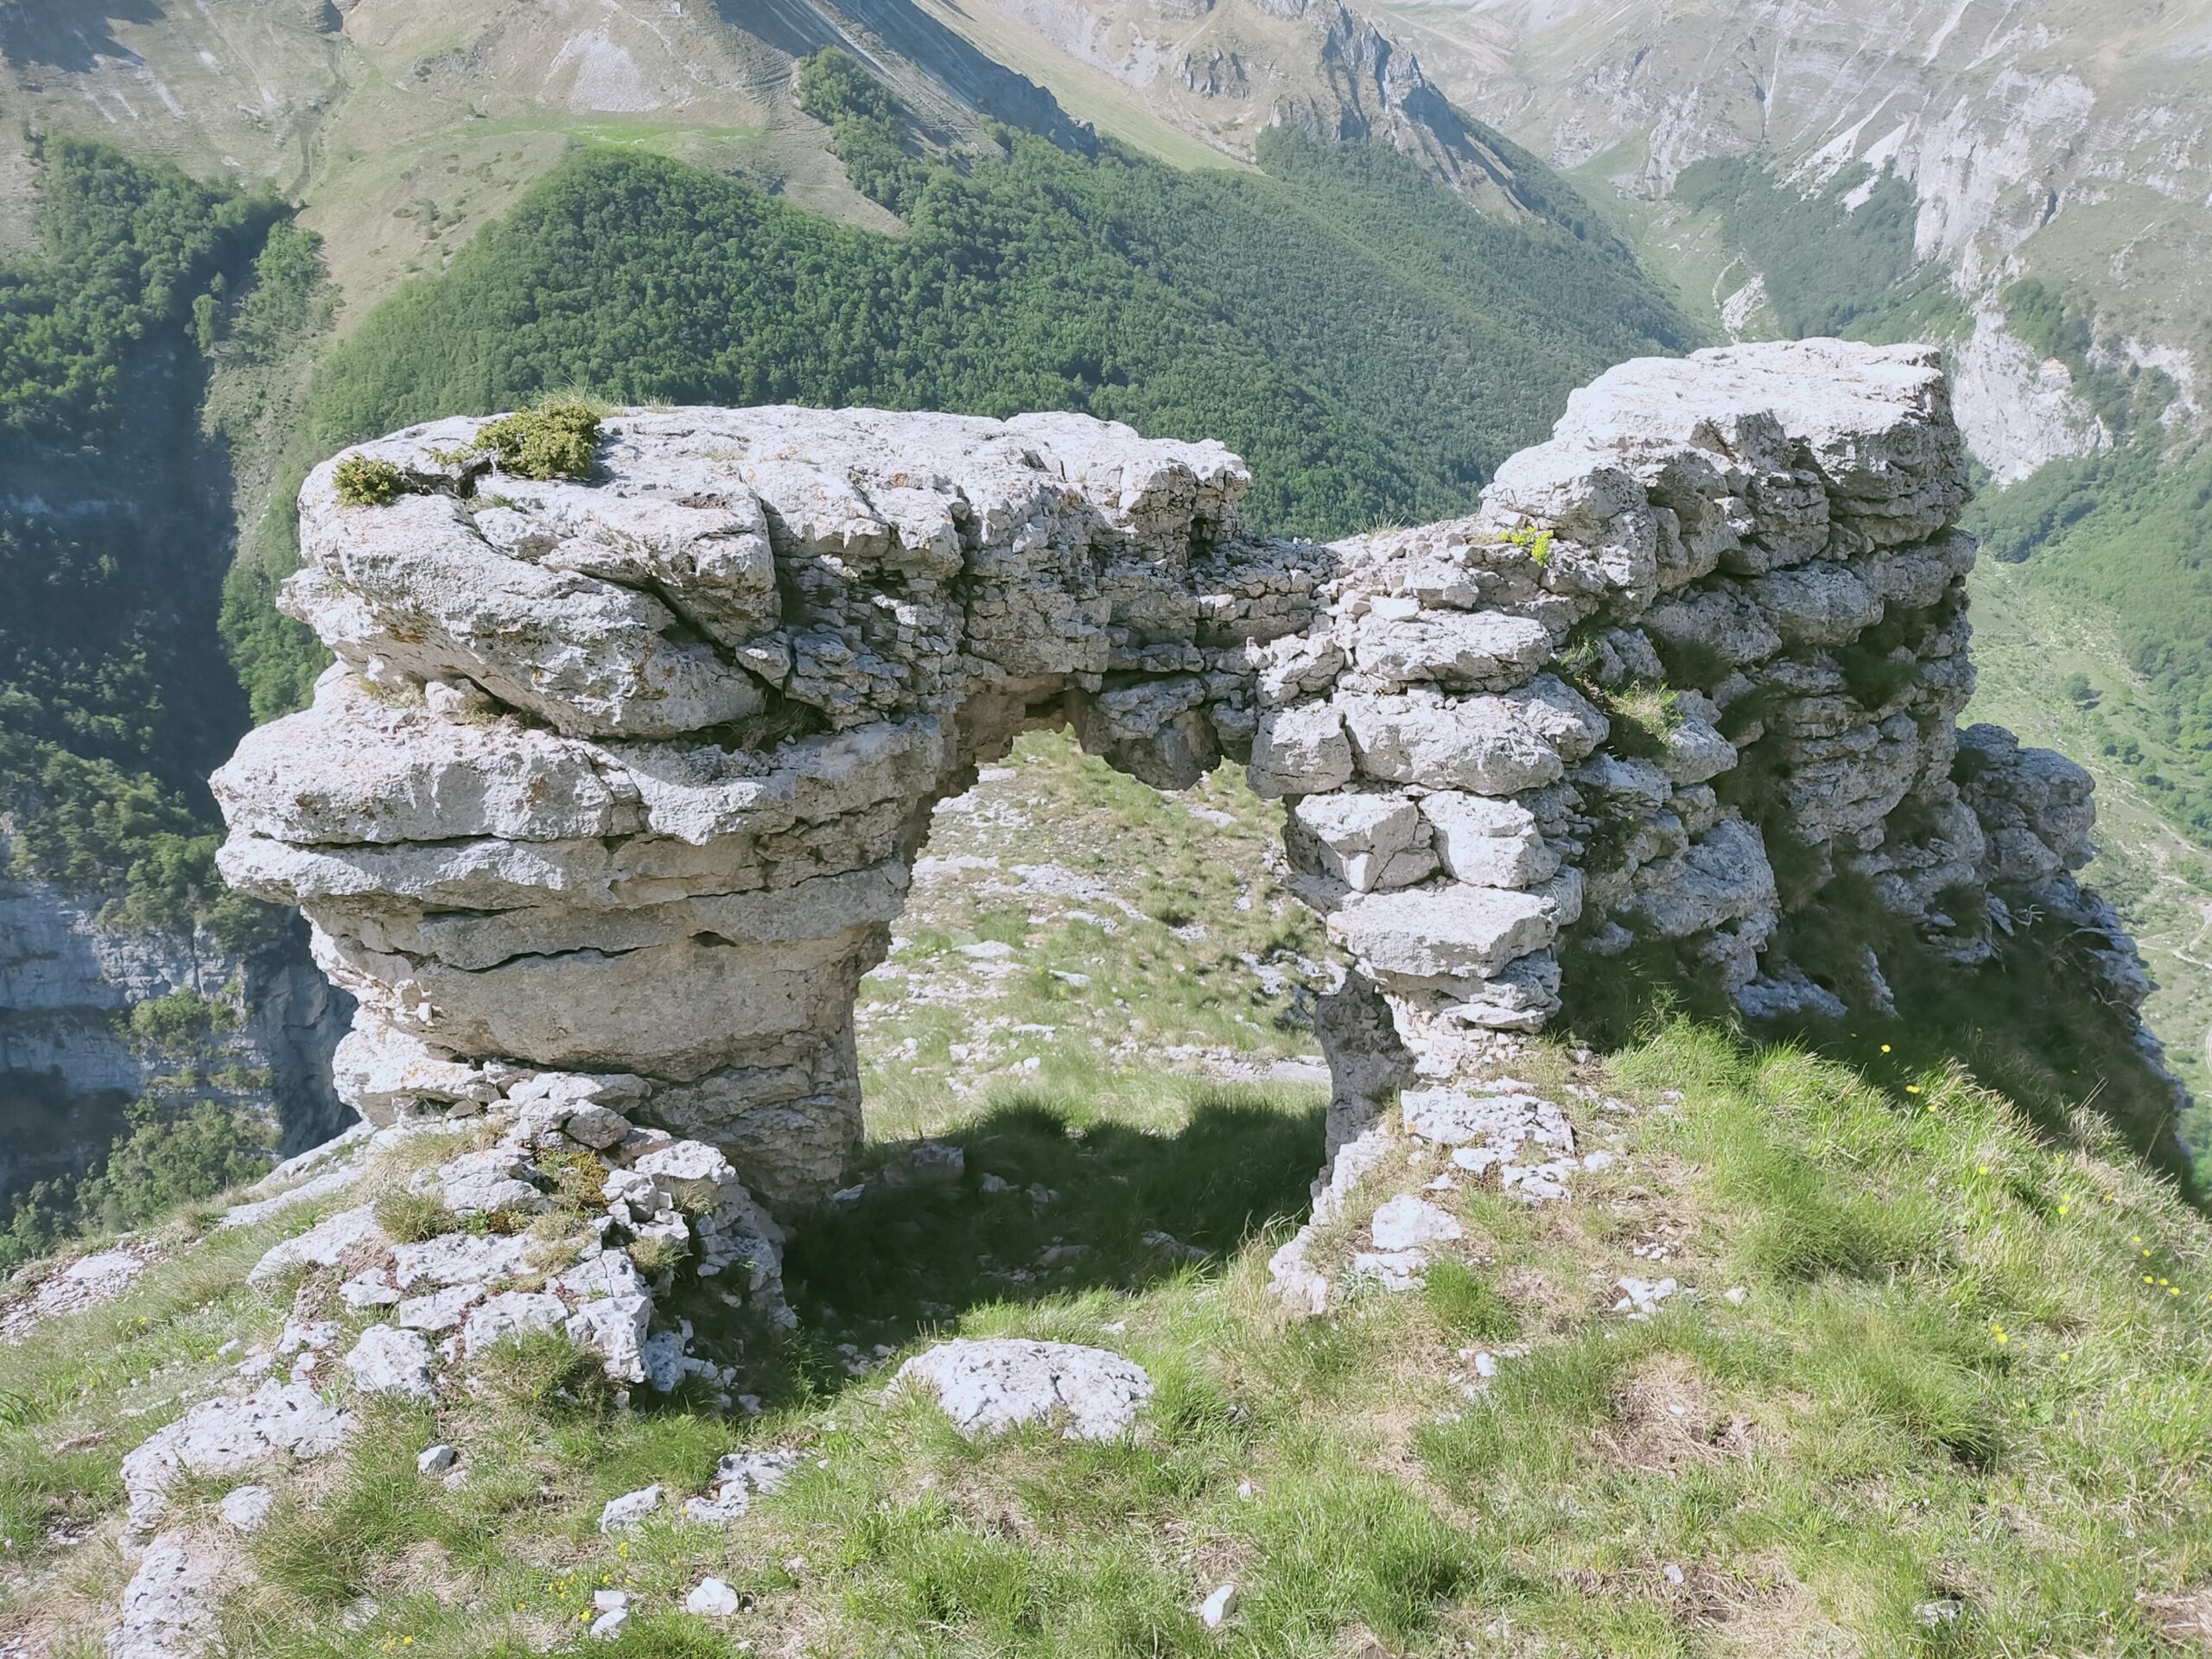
x,y
624,777
1699,656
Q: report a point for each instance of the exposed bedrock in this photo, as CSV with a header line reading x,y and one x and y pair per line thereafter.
x,y
625,777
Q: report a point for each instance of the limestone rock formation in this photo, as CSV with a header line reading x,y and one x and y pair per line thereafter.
x,y
1002,1383
615,791
616,785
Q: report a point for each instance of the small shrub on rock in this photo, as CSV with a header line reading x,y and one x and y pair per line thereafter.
x,y
655,1256
554,440
364,481
579,1179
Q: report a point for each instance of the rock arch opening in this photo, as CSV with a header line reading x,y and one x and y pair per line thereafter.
x,y
614,791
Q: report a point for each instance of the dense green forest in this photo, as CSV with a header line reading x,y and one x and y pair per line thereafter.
x,y
115,700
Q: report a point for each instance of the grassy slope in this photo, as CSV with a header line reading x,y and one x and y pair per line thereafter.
x,y
2027,643
1969,1381
415,126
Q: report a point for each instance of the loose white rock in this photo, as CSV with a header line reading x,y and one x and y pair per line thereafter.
x,y
1001,1383
1214,1610
711,1599
389,1360
1406,1223
626,1513
247,1507
169,1607
513,1313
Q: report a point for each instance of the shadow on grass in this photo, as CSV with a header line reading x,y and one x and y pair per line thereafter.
x,y
2025,1023
1081,1207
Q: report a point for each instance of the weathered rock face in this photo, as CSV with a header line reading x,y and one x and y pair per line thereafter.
x,y
1751,594
616,788
625,778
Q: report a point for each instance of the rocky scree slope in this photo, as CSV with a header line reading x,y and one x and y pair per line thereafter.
x,y
618,782
474,1239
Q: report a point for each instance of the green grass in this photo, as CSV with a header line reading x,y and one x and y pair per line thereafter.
x,y
1972,1397
1930,1348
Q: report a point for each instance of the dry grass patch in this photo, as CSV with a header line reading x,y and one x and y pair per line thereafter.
x,y
1665,1416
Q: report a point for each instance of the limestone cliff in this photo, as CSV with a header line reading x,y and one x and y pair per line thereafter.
x,y
69,1065
617,783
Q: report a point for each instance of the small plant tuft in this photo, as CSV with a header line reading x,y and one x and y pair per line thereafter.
x,y
1469,1308
579,1178
410,1218
557,439
537,1370
1536,543
654,1256
364,481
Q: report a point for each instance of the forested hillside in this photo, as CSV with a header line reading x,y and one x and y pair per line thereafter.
x,y
114,528
1369,342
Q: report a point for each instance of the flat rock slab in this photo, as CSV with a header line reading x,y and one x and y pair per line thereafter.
x,y
1450,929
226,1436
1461,1118
389,1360
1004,1382
169,1608
1406,1223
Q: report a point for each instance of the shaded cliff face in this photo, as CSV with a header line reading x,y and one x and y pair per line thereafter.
x,y
69,1062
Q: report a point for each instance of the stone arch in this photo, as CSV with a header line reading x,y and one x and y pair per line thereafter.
x,y
613,788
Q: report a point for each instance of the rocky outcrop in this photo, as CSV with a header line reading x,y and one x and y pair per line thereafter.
x,y
614,790
2019,411
622,780
1698,656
